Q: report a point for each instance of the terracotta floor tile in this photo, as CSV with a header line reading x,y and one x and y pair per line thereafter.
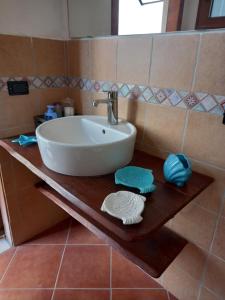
x,y
80,235
5,258
33,267
139,295
127,275
55,235
25,295
85,267
81,295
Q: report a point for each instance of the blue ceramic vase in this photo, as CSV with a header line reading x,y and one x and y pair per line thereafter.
x,y
177,169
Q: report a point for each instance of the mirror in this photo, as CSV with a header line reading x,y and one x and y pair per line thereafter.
x,y
90,18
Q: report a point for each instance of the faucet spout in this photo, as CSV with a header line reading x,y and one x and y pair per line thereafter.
x,y
112,106
98,101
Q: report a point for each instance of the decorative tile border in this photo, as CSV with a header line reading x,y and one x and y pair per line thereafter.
x,y
202,102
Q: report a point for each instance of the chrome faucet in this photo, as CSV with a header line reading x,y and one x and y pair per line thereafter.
x,y
112,106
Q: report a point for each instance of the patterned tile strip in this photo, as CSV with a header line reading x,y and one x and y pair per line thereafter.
x,y
202,102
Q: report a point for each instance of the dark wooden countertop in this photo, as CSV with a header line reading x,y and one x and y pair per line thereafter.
x,y
86,194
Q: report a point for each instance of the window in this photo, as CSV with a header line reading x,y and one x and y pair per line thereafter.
x,y
135,18
211,14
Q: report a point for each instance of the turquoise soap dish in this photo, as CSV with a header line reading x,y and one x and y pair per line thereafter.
x,y
25,140
136,177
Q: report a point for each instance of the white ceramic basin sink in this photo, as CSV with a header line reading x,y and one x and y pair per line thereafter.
x,y
85,145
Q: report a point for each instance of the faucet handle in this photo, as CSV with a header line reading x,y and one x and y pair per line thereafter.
x,y
112,95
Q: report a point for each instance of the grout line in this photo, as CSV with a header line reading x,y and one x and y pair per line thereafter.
x,y
145,125
68,244
147,289
110,272
61,261
205,209
90,289
184,130
33,55
150,62
196,61
89,59
212,292
218,257
66,61
117,50
7,268
172,33
67,23
202,282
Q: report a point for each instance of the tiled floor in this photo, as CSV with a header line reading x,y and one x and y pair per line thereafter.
x,y
70,263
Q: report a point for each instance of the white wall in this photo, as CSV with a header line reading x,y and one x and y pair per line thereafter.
x,y
189,14
89,17
44,18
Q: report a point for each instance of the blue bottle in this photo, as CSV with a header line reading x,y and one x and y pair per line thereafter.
x,y
50,113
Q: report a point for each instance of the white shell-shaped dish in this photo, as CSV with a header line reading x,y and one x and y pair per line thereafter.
x,y
124,205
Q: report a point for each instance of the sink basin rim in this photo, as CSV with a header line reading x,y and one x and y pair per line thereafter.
x,y
127,136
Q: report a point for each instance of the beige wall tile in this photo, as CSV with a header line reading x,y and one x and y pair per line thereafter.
x,y
191,260
173,61
17,111
78,58
123,107
82,101
164,127
127,112
103,59
142,146
74,94
219,241
10,132
180,284
204,138
133,59
210,70
212,197
215,274
49,56
191,224
136,112
49,96
15,56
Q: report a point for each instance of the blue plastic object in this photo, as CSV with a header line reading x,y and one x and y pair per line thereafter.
x,y
136,177
50,113
177,169
25,140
